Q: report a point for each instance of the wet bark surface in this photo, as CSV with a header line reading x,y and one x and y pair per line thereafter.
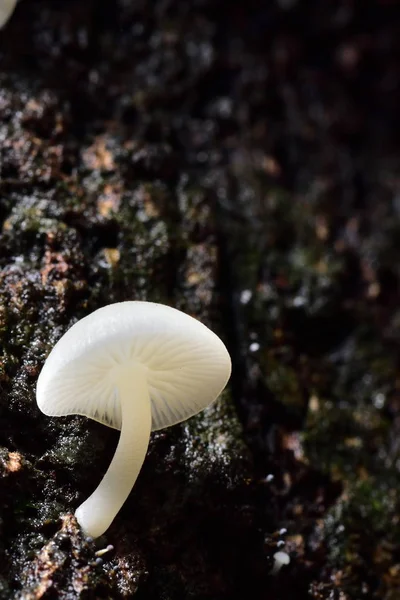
x,y
239,161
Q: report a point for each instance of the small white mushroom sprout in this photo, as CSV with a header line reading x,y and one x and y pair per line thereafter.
x,y
137,367
280,559
6,9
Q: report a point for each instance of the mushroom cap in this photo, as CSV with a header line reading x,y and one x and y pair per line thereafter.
x,y
6,9
282,557
185,363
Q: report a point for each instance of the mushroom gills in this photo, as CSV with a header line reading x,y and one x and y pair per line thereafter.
x,y
96,514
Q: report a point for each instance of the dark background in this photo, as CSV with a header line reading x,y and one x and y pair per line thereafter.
x,y
238,160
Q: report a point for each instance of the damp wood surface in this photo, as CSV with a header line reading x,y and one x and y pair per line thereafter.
x,y
239,161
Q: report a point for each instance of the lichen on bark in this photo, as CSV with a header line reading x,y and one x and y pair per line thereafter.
x,y
237,161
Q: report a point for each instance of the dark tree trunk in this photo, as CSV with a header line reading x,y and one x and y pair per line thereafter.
x,y
238,160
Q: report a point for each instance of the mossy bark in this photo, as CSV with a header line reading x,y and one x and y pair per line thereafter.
x,y
236,160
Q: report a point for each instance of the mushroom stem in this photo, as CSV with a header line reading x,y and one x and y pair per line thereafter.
x,y
96,514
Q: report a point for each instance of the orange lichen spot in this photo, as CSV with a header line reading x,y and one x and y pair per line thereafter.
x,y
194,278
353,442
151,209
112,256
54,264
321,228
109,200
271,166
14,462
98,157
374,289
291,441
313,404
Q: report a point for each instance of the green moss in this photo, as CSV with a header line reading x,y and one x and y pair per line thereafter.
x,y
282,380
64,254
362,532
214,444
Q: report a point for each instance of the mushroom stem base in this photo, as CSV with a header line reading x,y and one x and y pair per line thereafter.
x,y
96,514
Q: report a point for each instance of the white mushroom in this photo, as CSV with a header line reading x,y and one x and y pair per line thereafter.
x,y
280,559
6,9
137,367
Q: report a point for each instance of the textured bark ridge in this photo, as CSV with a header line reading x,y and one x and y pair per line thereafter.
x,y
236,160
